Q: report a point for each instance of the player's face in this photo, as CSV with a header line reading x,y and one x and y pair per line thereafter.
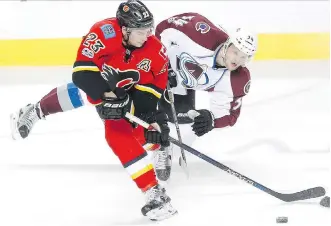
x,y
138,37
234,58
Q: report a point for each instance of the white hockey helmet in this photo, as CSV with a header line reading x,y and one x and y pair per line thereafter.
x,y
244,41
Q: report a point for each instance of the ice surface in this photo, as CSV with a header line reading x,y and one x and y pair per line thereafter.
x,y
64,173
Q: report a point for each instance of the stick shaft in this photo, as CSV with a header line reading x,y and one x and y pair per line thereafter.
x,y
182,158
301,195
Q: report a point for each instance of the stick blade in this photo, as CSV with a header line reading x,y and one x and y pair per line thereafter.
x,y
183,164
303,195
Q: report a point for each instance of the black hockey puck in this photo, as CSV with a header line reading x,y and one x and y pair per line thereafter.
x,y
281,220
325,202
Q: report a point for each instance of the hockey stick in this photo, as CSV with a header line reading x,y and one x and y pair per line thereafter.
x,y
182,158
301,195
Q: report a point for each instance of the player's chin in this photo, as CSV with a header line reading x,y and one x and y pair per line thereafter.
x,y
232,66
138,44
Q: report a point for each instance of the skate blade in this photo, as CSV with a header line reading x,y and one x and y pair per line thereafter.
x,y
162,213
13,127
163,174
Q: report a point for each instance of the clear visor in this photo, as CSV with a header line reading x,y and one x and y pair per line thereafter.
x,y
242,58
237,56
142,31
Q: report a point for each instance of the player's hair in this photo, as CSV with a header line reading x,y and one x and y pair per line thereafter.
x,y
134,14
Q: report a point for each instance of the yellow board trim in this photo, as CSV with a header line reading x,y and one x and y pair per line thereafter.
x,y
63,51
298,46
142,171
39,52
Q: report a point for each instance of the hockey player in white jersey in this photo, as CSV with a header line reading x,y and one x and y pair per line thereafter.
x,y
204,57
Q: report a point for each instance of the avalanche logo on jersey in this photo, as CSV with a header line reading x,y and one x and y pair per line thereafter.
x,y
202,27
192,73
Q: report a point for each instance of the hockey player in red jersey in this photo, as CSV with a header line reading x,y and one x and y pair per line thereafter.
x,y
122,67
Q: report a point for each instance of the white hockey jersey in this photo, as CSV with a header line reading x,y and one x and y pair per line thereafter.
x,y
192,43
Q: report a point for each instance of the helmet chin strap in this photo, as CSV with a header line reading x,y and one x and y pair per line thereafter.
x,y
221,52
127,45
126,37
225,48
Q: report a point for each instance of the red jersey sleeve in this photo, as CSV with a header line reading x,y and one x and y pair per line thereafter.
x,y
101,41
148,93
160,67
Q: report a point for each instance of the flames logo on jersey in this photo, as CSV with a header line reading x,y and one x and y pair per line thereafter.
x,y
191,71
122,79
144,65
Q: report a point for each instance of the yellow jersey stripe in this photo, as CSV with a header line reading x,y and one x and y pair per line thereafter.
x,y
148,146
142,171
149,90
85,68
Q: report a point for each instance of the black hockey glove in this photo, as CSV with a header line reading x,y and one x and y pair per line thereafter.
x,y
172,78
115,108
203,123
159,120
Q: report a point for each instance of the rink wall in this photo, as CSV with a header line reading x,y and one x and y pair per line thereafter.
x,y
48,32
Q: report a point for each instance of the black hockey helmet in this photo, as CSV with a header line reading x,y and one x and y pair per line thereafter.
x,y
134,14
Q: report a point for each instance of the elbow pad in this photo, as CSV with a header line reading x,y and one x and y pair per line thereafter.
x,y
91,83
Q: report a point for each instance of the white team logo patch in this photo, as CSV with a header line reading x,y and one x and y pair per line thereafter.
x,y
180,21
247,87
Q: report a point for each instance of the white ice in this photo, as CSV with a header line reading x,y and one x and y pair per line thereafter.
x,y
64,174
